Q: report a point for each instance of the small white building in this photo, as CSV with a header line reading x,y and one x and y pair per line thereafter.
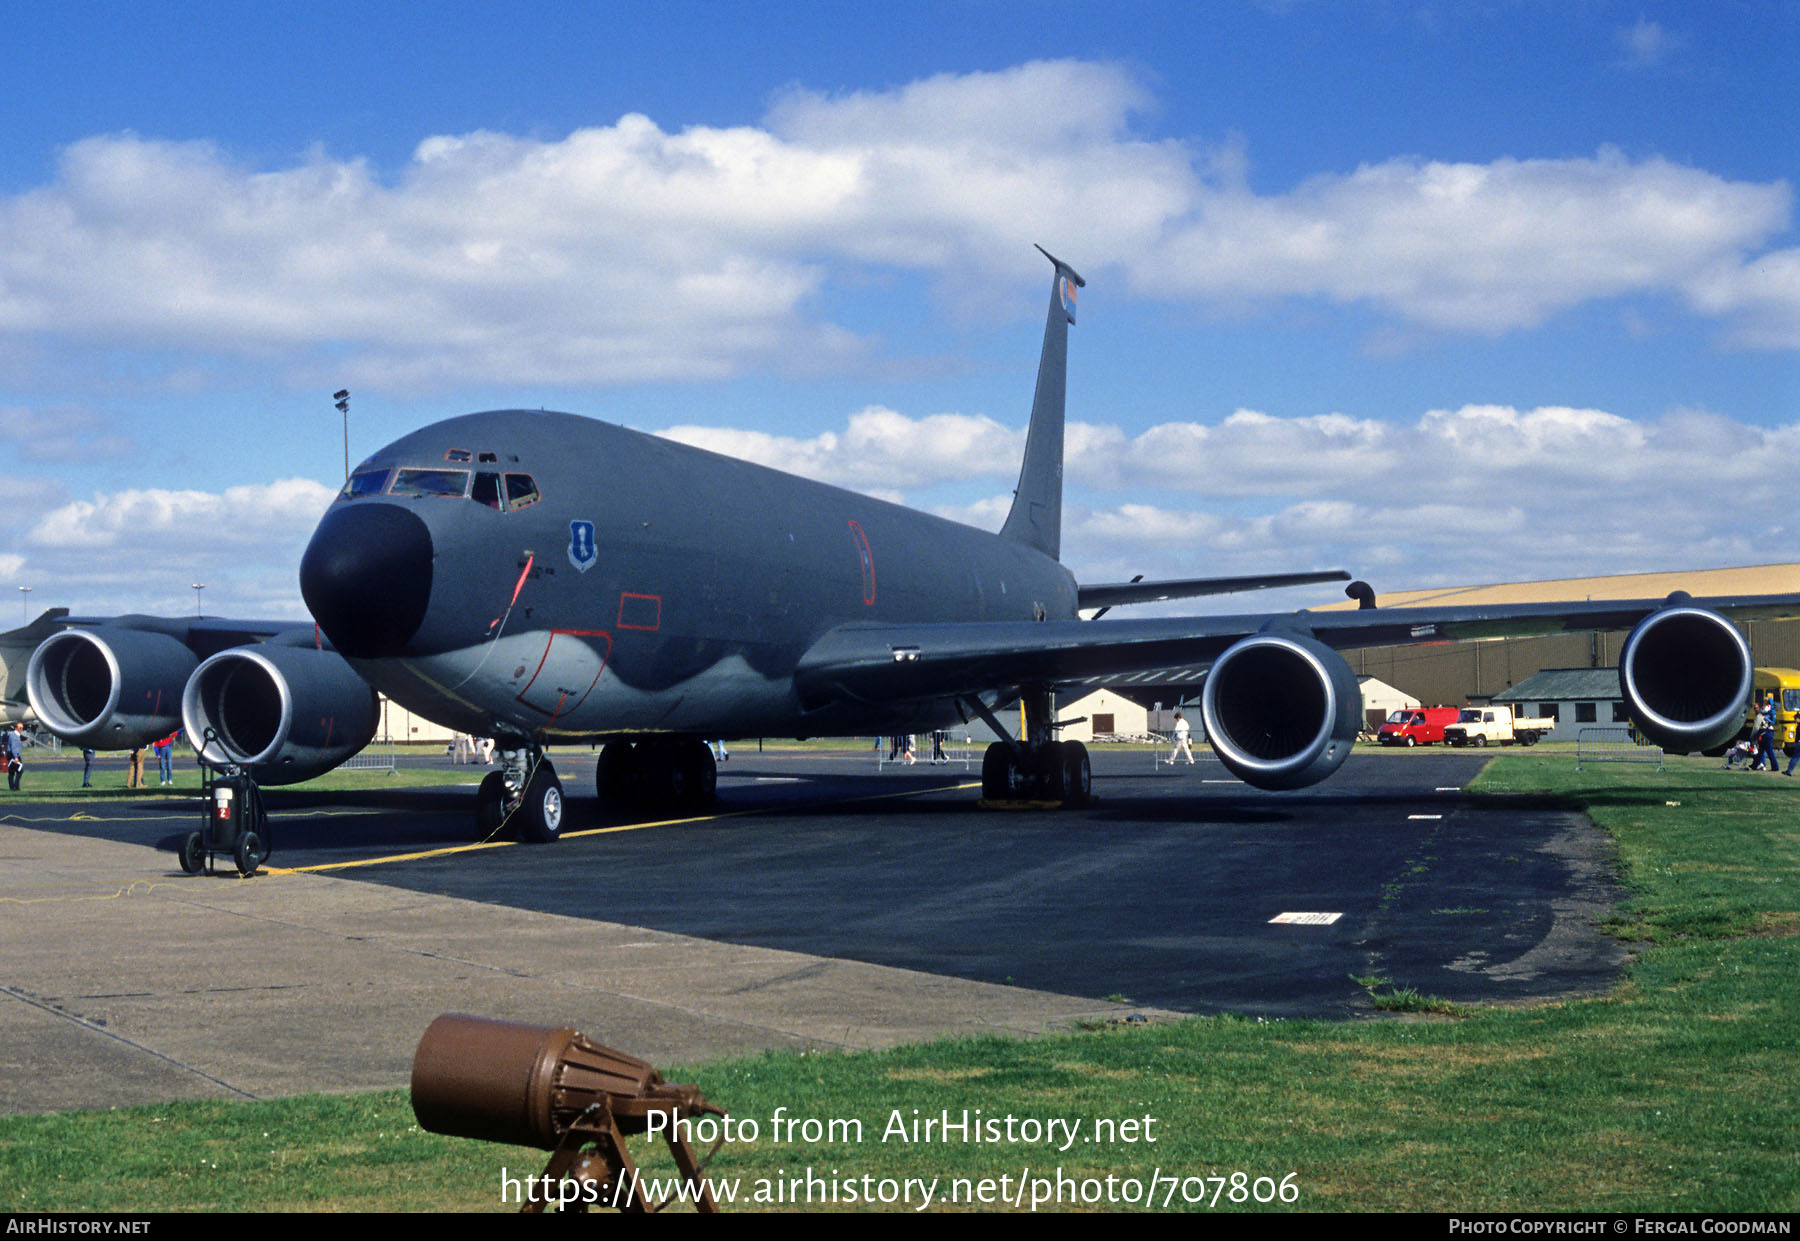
x,y
1379,700
403,727
1106,713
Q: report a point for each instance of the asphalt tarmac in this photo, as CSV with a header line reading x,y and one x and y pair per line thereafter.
x,y
824,903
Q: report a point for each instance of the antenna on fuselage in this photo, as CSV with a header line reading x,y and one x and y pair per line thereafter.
x,y
1036,516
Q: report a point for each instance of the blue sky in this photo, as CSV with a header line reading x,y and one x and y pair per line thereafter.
x,y
1435,292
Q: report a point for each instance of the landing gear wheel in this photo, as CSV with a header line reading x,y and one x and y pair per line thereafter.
x,y
617,777
998,773
700,772
1050,772
490,804
1078,775
249,853
193,853
541,813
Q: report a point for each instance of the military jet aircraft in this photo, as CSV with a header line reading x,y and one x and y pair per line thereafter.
x,y
541,577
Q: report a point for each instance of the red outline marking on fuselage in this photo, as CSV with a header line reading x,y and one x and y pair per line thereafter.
x,y
866,556
656,599
562,695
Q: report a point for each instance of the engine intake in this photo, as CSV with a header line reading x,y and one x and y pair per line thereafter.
x,y
1686,675
287,713
1281,710
108,688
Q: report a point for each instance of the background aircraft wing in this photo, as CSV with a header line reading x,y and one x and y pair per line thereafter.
x,y
1113,594
893,662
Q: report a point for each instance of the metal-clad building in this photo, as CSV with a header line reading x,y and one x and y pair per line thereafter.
x,y
1575,698
1454,672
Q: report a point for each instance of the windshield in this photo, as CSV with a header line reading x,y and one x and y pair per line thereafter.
x,y
1469,717
366,482
413,482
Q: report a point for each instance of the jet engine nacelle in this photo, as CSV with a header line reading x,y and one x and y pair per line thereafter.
x,y
1686,675
288,713
1281,710
108,688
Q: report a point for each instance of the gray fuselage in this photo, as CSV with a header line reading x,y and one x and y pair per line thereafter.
x,y
659,588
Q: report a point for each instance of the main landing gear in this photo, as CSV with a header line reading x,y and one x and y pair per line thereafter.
x,y
1035,770
1054,771
673,774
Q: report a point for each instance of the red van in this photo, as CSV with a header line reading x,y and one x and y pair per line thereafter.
x,y
1412,726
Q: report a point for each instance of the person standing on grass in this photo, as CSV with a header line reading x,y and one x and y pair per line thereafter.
x,y
15,755
1765,734
165,758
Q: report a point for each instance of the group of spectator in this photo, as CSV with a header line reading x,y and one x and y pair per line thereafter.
x,y
1757,751
466,749
12,756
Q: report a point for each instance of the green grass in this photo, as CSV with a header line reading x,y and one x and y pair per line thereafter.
x,y
59,779
1676,1092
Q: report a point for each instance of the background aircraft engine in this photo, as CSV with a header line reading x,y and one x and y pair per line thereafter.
x,y
109,688
1281,710
1685,673
288,713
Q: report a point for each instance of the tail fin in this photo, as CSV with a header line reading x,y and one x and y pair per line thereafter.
x,y
1036,516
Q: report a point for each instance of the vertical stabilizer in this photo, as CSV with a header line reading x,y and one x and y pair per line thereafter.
x,y
1036,516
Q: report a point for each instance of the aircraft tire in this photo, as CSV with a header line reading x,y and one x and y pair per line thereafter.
x,y
1051,782
249,853
702,771
542,811
617,775
997,772
490,803
193,853
1078,774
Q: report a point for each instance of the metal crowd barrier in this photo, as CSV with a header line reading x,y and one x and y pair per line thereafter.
x,y
952,749
1614,745
378,755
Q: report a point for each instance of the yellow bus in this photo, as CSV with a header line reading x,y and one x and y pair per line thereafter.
x,y
1784,683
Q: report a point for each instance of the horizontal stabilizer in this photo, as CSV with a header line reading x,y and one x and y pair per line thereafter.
x,y
1113,594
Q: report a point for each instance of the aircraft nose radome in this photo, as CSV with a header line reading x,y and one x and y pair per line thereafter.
x,y
366,577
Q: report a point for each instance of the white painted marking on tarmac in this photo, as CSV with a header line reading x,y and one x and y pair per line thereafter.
x,y
1448,788
1305,919
1218,781
1411,817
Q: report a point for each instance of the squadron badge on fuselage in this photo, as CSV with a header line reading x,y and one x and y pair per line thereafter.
x,y
581,545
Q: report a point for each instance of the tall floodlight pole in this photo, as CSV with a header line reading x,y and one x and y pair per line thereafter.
x,y
342,397
198,587
25,603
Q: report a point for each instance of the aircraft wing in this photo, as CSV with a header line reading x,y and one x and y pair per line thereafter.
x,y
877,663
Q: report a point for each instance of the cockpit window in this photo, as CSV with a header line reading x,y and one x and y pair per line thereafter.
x,y
487,490
417,482
366,482
521,489
489,458
457,454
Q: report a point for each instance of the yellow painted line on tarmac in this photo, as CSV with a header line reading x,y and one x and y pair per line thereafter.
x,y
449,850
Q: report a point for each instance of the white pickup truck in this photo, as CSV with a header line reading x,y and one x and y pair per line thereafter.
x,y
1480,726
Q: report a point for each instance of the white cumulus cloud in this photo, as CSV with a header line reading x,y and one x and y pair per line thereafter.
x,y
627,252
